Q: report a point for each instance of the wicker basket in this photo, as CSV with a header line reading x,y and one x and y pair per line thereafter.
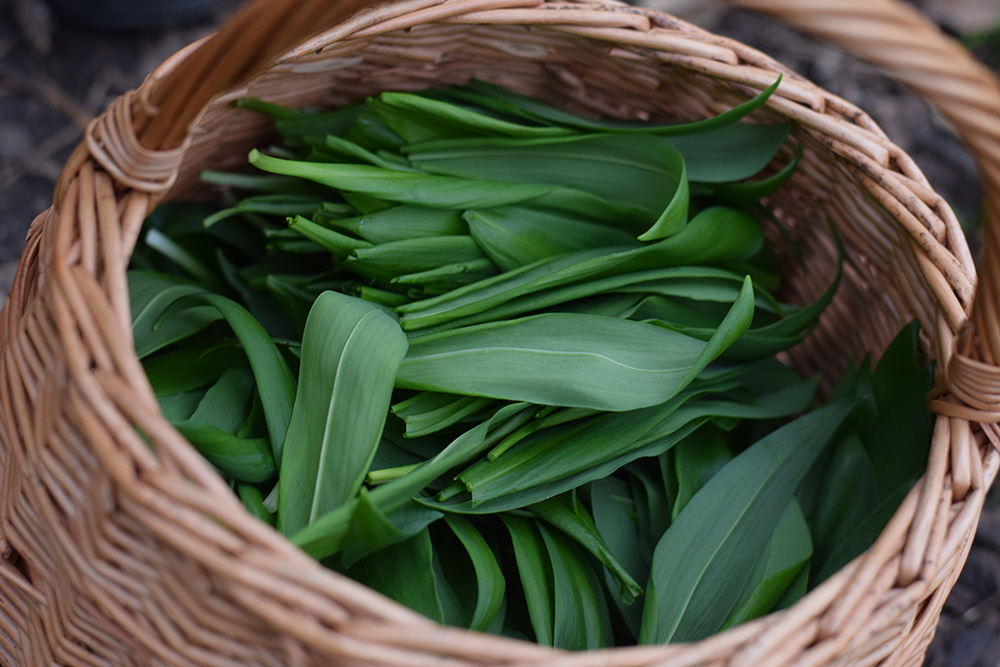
x,y
117,553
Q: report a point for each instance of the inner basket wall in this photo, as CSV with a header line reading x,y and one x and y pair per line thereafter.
x,y
882,287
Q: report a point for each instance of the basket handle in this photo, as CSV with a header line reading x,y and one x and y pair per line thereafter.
x,y
887,33
900,40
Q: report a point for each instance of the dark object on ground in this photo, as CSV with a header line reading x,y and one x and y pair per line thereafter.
x,y
133,13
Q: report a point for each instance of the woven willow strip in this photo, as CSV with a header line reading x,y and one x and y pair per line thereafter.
x,y
118,553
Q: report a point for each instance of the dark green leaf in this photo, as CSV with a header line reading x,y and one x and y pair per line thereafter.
x,y
701,565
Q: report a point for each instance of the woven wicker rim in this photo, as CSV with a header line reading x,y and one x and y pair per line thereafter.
x,y
70,371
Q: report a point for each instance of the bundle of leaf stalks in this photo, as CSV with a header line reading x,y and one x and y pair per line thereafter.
x,y
517,369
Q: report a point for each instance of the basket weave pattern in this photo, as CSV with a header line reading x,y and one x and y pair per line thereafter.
x,y
116,552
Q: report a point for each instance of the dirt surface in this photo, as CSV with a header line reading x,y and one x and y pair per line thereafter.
x,y
55,75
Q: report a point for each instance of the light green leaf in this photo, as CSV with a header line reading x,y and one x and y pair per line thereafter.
x,y
350,352
567,359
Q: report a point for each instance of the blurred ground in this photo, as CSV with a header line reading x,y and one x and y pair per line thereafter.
x,y
55,75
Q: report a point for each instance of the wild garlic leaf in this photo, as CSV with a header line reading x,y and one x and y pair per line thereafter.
x,y
567,359
351,350
581,620
430,412
457,120
491,587
152,296
730,153
326,535
273,378
643,174
701,565
404,572
535,573
847,495
253,501
501,99
786,556
515,236
614,511
396,258
419,189
712,237
569,516
403,222
697,459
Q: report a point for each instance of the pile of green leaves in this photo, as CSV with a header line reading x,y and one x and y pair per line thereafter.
x,y
517,369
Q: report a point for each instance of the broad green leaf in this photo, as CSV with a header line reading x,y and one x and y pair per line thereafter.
x,y
282,185
283,205
701,565
227,403
341,148
403,222
453,120
651,503
404,572
152,295
899,440
246,459
370,131
396,258
501,99
447,277
294,124
418,189
351,350
213,428
611,502
548,464
535,572
326,535
696,459
567,359
706,282
514,236
847,495
179,255
729,153
490,584
714,236
581,620
191,367
861,538
253,501
569,516
643,174
428,412
339,244
370,528
179,407
274,380
786,556
754,191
